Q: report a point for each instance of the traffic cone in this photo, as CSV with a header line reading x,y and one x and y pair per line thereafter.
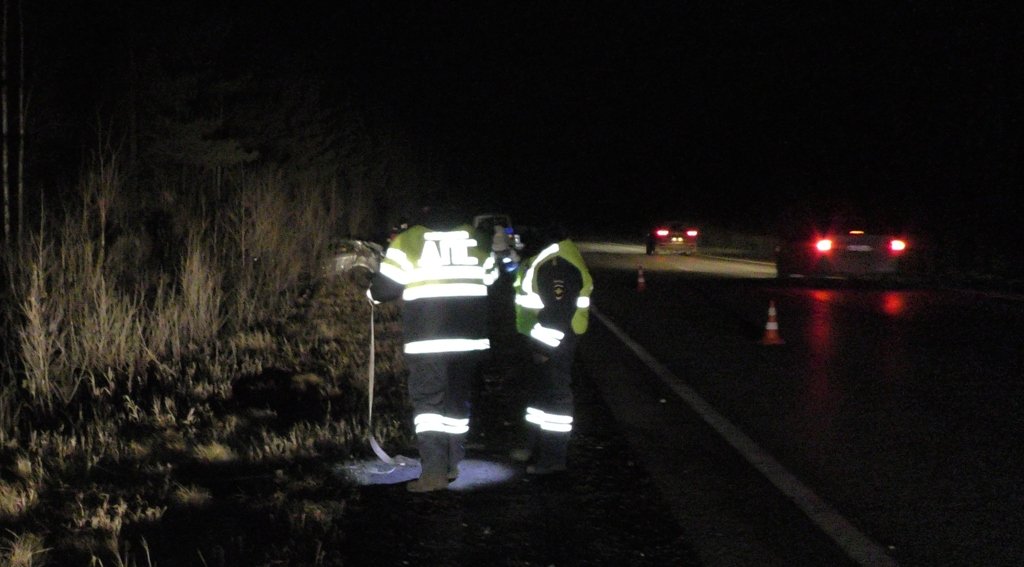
x,y
641,283
771,328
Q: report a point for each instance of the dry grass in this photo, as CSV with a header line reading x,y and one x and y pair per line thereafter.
x,y
226,388
16,499
213,452
24,550
191,496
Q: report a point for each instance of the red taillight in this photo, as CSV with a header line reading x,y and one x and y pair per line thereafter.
x,y
897,245
661,232
692,233
823,245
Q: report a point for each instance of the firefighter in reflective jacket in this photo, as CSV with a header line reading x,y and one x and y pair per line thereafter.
x,y
442,274
552,309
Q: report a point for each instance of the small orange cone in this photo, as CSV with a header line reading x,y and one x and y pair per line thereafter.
x,y
641,283
771,328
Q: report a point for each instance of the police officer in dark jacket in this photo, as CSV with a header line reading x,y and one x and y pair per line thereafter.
x,y
553,291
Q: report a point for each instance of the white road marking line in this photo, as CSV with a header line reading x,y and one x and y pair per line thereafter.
x,y
858,546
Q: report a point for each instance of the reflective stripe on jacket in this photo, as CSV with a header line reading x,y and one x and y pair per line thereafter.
x,y
443,278
540,285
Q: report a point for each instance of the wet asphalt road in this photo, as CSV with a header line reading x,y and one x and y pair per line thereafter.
x,y
900,408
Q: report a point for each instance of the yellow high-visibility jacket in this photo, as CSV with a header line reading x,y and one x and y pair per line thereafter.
x,y
443,278
553,294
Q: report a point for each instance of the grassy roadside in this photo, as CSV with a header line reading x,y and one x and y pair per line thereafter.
x,y
183,473
186,414
197,468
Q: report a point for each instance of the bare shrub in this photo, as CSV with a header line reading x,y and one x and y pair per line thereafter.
x,y
39,337
276,237
201,296
187,318
107,329
161,332
75,322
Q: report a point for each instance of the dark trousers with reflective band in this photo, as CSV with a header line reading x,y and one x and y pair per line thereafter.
x,y
441,384
551,392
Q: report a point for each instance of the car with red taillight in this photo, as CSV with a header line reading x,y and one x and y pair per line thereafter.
x,y
842,248
676,237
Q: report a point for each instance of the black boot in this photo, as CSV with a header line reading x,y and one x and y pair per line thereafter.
x,y
433,447
456,452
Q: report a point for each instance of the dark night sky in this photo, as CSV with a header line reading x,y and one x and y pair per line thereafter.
x,y
733,112
730,111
